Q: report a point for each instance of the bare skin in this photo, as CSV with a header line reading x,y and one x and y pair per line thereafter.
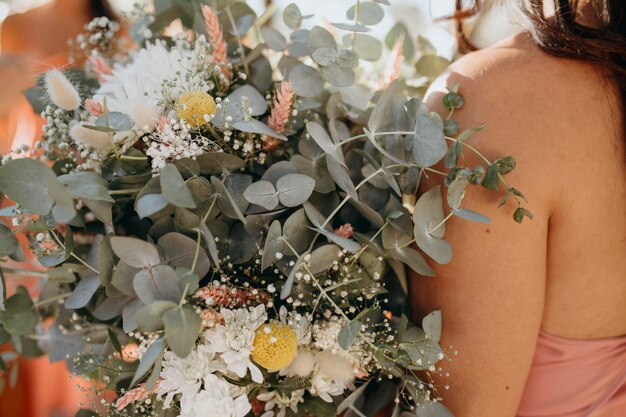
x,y
563,272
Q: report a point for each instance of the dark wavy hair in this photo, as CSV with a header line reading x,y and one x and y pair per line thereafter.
x,y
101,8
564,35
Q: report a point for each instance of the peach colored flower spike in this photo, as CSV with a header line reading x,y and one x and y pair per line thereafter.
x,y
94,108
216,37
100,67
392,69
281,109
136,394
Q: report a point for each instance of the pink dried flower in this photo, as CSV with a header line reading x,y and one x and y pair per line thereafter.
x,y
345,230
281,109
216,36
136,394
100,67
211,317
95,108
217,295
392,69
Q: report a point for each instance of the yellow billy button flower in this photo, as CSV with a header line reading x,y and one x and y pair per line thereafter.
x,y
275,346
193,105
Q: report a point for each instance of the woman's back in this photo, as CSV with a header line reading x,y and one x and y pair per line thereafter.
x,y
562,272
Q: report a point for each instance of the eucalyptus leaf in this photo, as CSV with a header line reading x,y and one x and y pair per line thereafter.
x,y
338,75
341,177
88,185
150,317
182,251
20,317
400,33
148,359
318,37
115,120
472,215
182,326
83,292
369,13
429,227
368,47
428,143
34,186
273,244
294,189
292,16
135,252
157,283
432,325
8,242
174,189
348,334
215,163
274,38
262,193
306,80
150,204
320,136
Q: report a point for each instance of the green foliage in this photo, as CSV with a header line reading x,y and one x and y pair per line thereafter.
x,y
19,316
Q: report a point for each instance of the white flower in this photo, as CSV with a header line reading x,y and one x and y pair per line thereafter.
x,y
215,400
326,333
299,323
276,403
324,386
234,339
155,75
338,366
185,376
302,365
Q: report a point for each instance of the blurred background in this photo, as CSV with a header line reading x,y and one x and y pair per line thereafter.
x,y
33,38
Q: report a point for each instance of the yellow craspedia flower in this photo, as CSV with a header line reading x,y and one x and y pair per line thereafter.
x,y
193,105
275,346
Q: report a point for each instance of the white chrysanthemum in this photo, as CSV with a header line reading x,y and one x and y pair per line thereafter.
x,y
216,400
325,387
185,376
156,75
233,341
277,403
99,141
61,91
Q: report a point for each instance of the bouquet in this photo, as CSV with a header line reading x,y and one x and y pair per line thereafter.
x,y
224,216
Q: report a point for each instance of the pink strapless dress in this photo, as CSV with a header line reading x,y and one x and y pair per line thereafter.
x,y
576,378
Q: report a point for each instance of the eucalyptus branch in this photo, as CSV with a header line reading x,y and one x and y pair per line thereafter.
x,y
58,297
58,241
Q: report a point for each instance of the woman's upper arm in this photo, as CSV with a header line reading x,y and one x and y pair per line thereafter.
x,y
492,292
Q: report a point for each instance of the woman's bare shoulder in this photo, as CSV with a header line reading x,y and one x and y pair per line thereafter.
x,y
533,104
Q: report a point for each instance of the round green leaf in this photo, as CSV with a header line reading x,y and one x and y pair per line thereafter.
x,y
369,13
8,242
182,326
157,283
135,252
427,215
262,193
294,189
174,189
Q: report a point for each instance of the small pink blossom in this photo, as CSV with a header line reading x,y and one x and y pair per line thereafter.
x,y
136,394
345,230
95,108
100,67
